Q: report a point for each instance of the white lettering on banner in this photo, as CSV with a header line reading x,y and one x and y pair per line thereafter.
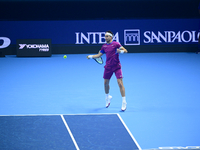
x,y
147,35
41,47
132,37
116,37
6,42
176,37
193,35
171,37
93,38
43,50
171,34
101,37
37,46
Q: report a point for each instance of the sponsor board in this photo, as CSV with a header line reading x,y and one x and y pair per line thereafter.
x,y
34,47
78,36
137,37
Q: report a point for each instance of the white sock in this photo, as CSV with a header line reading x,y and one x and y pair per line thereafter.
x,y
124,99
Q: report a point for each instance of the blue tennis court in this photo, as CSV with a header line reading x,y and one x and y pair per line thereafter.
x,y
39,93
85,132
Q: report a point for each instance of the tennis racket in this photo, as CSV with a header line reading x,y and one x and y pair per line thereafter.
x,y
99,60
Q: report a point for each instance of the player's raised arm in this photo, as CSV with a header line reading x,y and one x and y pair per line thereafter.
x,y
95,56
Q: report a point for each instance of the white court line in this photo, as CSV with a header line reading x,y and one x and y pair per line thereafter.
x,y
70,133
129,132
56,114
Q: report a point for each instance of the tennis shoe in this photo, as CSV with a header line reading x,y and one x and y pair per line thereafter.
x,y
108,101
123,105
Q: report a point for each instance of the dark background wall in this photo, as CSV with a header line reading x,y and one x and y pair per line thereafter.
x,y
53,10
93,9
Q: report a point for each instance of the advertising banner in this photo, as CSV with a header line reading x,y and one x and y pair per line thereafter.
x,y
87,36
34,47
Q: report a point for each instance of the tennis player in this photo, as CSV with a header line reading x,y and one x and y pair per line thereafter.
x,y
113,65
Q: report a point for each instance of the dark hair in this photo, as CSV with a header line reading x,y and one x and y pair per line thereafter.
x,y
110,32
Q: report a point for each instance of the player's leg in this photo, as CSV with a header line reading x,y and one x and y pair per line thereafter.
x,y
121,87
119,76
107,75
107,88
106,85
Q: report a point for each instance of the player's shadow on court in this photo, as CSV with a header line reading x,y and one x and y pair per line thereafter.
x,y
98,109
111,110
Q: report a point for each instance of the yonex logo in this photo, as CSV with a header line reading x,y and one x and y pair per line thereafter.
x,y
132,37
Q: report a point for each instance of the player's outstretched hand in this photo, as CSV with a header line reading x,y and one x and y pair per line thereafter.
x,y
89,56
122,51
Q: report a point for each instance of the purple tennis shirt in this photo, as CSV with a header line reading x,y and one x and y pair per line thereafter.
x,y
112,57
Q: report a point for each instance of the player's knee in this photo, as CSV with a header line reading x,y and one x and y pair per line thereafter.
x,y
120,84
106,83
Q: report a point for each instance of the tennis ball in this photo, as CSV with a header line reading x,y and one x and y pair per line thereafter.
x,y
65,56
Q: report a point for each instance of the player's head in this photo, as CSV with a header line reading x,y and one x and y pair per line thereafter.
x,y
109,36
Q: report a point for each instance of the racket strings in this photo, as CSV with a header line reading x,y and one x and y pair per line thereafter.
x,y
99,60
